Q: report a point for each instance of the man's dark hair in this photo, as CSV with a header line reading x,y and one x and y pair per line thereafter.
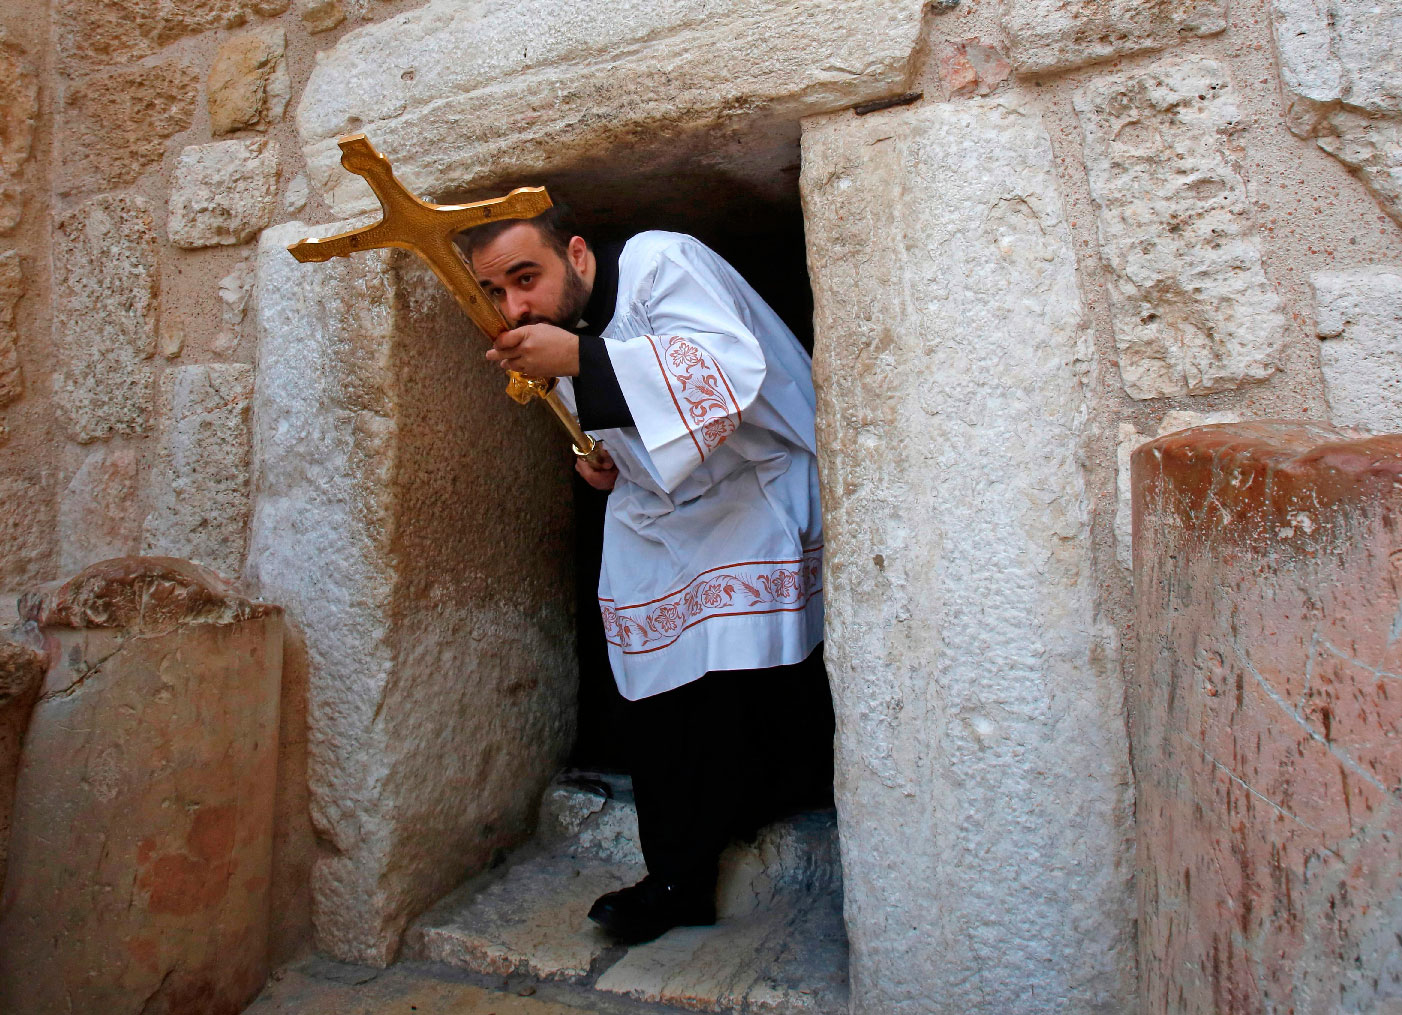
x,y
556,226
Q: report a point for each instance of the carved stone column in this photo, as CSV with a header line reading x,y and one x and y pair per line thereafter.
x,y
143,815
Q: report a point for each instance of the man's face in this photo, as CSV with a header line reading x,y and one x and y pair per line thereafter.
x,y
530,281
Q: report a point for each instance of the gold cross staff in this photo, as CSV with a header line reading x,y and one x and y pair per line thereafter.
x,y
428,230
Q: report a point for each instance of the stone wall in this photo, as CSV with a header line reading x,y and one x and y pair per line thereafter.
x,y
1097,223
1266,719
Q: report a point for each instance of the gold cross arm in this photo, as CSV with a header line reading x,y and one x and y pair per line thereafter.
x,y
428,230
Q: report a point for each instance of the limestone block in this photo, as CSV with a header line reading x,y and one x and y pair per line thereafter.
x,y
1358,313
1342,82
416,525
19,107
11,289
223,193
461,92
967,67
106,294
142,841
99,514
1191,307
321,15
115,125
97,32
200,498
1130,440
26,529
982,742
248,86
295,199
1045,35
1267,725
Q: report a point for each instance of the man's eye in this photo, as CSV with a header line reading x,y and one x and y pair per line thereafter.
x,y
526,279
496,292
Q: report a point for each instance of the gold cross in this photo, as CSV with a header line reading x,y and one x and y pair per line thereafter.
x,y
428,230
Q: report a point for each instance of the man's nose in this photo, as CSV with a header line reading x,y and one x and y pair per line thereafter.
x,y
515,307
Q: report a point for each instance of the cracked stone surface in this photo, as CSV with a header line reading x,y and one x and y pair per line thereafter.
x,y
779,944
100,512
223,193
1190,304
1265,699
163,687
248,85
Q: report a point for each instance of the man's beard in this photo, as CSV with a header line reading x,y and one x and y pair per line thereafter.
x,y
572,303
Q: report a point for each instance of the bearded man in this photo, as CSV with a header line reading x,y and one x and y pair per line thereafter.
x,y
711,583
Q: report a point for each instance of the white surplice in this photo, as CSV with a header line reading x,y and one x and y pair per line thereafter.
x,y
712,554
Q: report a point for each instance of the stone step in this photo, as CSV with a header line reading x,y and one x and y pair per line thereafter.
x,y
778,946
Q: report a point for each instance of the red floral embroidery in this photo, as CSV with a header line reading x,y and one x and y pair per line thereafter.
x,y
700,392
732,590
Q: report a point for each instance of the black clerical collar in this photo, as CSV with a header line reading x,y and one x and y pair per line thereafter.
x,y
604,297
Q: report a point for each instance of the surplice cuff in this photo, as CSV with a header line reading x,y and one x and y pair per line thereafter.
x,y
598,398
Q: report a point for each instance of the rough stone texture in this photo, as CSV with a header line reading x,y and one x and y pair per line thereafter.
x,y
1130,439
97,32
99,515
1359,315
434,592
139,858
321,15
19,106
459,92
116,125
1190,304
200,501
22,665
968,67
223,193
1342,79
983,788
1267,724
248,86
106,294
11,289
235,289
1045,35
26,528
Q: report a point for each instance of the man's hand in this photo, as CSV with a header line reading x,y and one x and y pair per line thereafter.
x,y
540,351
601,475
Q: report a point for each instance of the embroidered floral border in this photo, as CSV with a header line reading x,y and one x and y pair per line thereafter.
x,y
695,378
733,590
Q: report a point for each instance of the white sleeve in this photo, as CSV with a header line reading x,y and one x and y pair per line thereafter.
x,y
689,380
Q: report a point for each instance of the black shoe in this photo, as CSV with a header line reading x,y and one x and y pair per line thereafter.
x,y
651,908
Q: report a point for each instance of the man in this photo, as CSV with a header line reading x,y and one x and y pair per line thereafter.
x,y
710,588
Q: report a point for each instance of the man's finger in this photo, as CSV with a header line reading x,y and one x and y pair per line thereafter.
x,y
509,339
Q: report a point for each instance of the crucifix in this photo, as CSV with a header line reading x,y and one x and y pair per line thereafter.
x,y
428,230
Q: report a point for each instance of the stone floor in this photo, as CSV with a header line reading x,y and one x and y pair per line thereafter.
x,y
516,940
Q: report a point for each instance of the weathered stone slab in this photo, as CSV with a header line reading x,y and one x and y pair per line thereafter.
x,y
1359,315
321,15
434,593
200,501
248,86
116,125
1342,81
19,107
1190,304
459,92
223,193
1046,35
983,739
100,513
106,293
96,32
1268,728
26,528
142,833
11,289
